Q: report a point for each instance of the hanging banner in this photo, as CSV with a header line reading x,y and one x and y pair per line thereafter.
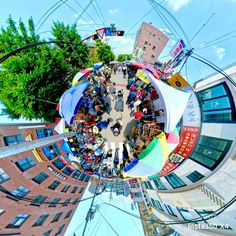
x,y
177,49
188,140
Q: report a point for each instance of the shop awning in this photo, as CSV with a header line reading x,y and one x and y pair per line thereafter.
x,y
79,77
174,101
70,101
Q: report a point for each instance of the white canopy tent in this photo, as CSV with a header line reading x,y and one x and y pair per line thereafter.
x,y
174,102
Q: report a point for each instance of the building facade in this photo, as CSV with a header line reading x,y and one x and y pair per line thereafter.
x,y
149,43
40,189
203,187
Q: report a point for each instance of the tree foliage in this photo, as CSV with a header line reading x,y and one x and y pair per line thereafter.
x,y
104,52
124,57
34,79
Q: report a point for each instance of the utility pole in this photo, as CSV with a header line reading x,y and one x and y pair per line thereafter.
x,y
26,146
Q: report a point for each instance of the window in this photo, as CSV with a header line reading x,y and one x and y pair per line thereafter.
x,y
18,221
54,185
43,133
65,203
170,211
75,201
76,174
154,47
174,180
51,151
210,151
40,177
13,139
58,163
145,43
68,213
185,214
59,230
82,177
38,200
159,184
3,176
74,189
68,171
21,191
158,204
217,104
47,233
56,217
54,202
40,220
25,164
195,176
87,178
81,190
65,188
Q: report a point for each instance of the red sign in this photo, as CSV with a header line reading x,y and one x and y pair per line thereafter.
x,y
188,141
168,167
177,49
100,32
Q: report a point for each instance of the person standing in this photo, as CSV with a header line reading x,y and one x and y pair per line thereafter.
x,y
124,70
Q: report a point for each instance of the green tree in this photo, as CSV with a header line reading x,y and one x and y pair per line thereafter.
x,y
34,79
124,57
75,53
104,52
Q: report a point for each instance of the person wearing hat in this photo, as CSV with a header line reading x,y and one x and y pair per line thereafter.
x,y
116,128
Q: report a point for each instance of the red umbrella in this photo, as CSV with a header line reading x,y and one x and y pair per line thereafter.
x,y
137,64
152,70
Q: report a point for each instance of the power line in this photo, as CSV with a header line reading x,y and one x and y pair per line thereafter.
x,y
98,14
175,20
83,11
213,66
48,11
104,22
108,223
202,27
159,14
51,14
195,220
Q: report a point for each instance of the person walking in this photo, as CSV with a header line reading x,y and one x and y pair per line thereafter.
x,y
124,70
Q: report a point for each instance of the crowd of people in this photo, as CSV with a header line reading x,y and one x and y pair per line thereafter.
x,y
89,122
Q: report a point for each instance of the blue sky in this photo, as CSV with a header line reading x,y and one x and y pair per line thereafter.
x,y
191,14
123,223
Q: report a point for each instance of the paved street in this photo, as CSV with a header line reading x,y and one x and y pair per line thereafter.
x,y
116,142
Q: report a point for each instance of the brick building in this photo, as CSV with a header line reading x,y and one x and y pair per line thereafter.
x,y
40,189
149,43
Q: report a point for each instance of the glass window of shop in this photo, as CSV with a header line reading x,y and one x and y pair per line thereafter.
x,y
185,214
174,180
58,163
209,151
40,177
51,151
159,184
217,104
195,176
13,139
169,209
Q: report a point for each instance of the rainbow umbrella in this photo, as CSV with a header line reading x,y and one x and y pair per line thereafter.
x,y
151,160
172,140
81,75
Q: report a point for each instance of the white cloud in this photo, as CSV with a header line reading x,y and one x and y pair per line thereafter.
x,y
220,52
176,5
75,15
113,11
121,45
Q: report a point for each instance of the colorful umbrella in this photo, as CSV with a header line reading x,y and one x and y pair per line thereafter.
x,y
151,160
172,140
70,101
142,75
80,76
152,70
98,65
137,64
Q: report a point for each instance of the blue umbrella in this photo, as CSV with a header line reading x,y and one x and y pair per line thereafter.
x,y
70,101
65,146
98,65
